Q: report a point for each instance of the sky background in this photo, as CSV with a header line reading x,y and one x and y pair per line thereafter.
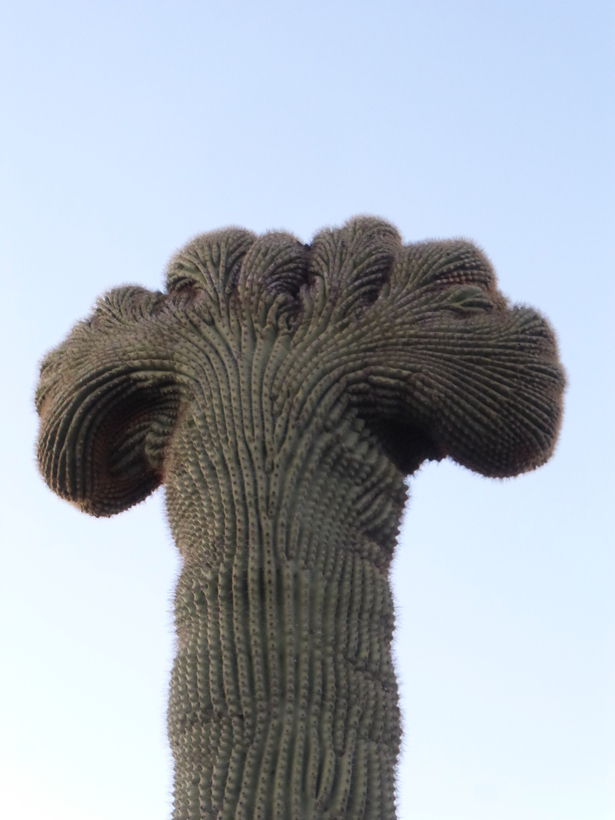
x,y
127,127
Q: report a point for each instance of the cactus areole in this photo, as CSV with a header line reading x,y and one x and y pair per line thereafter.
x,y
282,392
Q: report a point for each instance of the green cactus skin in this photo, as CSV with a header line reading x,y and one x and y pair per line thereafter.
x,y
282,392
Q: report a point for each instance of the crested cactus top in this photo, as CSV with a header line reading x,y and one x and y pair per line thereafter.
x,y
416,337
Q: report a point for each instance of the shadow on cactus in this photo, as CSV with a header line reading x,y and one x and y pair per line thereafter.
x,y
282,392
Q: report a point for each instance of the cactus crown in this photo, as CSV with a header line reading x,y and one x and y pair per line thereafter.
x,y
424,345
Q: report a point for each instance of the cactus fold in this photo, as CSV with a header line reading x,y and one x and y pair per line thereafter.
x,y
282,392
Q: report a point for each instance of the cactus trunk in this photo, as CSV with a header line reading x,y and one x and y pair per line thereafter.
x,y
283,696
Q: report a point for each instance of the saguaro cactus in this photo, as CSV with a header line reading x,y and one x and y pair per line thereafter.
x,y
282,392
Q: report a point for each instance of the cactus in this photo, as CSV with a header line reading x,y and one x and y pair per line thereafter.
x,y
281,392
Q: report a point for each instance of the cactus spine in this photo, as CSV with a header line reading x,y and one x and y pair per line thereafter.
x,y
282,392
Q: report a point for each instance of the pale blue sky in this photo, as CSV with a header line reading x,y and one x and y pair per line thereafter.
x,y
129,126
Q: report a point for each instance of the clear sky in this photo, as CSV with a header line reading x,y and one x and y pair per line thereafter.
x,y
126,127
